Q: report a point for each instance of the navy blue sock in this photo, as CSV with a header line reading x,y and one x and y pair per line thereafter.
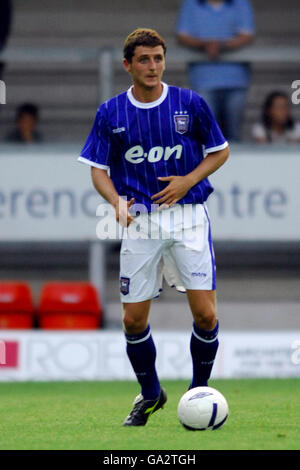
x,y
204,345
142,354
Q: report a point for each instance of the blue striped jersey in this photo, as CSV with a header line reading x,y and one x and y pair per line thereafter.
x,y
138,142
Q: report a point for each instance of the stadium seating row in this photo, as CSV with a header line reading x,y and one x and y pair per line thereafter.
x,y
62,305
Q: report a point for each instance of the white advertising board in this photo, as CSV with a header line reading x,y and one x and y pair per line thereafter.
x,y
257,197
49,197
46,197
46,356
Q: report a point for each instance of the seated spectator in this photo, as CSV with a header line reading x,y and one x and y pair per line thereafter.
x,y
277,124
27,116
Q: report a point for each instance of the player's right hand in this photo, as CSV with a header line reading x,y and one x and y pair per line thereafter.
x,y
122,212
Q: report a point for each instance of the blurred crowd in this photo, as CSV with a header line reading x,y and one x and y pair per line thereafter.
x,y
214,27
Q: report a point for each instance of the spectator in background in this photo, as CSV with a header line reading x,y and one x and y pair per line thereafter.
x,y
5,24
217,26
27,117
277,124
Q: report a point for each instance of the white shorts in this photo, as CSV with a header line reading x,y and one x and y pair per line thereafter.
x,y
176,244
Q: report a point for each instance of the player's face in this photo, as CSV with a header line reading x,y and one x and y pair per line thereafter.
x,y
147,66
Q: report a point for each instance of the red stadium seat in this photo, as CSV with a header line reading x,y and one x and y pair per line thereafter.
x,y
16,305
69,306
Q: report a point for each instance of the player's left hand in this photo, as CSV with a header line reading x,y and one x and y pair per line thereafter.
x,y
176,190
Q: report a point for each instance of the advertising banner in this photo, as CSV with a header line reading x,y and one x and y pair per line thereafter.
x,y
46,356
49,196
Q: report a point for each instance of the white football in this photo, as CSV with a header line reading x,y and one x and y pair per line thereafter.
x,y
202,408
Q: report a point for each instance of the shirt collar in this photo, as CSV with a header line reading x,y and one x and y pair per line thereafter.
x,y
151,104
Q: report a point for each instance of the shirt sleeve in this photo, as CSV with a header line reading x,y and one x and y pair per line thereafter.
x,y
97,149
207,127
245,17
258,131
295,135
297,130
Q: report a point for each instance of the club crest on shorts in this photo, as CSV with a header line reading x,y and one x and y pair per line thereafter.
x,y
181,122
124,285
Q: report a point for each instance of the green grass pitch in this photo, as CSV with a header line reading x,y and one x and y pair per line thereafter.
x,y
263,414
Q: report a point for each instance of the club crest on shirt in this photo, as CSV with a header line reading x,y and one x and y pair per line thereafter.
x,y
124,285
181,122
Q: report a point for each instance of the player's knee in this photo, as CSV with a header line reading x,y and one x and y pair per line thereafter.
x,y
133,325
207,319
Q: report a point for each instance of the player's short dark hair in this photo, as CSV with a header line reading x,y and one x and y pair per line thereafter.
x,y
27,108
142,37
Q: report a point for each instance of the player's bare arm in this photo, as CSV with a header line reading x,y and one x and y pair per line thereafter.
x,y
105,187
180,185
190,41
213,47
